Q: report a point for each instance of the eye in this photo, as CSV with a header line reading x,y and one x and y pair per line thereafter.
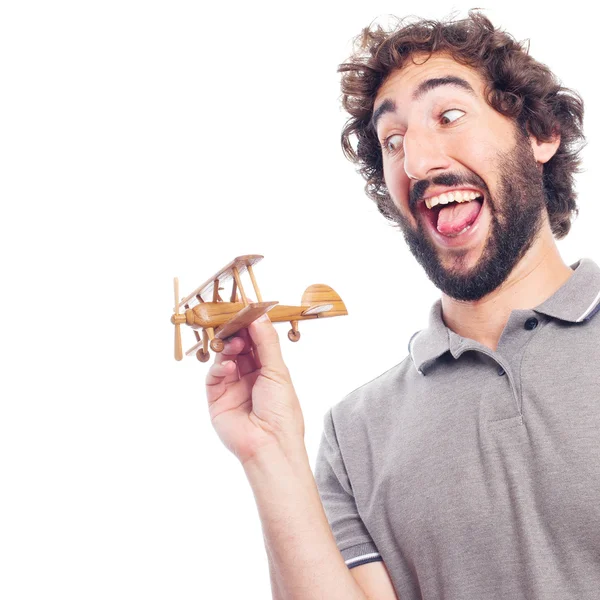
x,y
454,114
393,143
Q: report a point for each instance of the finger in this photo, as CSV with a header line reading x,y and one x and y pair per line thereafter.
x,y
218,372
247,360
242,337
238,349
231,350
242,391
267,347
229,353
255,354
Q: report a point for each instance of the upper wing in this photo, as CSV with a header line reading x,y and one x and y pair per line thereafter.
x,y
226,273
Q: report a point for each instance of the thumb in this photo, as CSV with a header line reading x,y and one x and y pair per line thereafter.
x,y
266,341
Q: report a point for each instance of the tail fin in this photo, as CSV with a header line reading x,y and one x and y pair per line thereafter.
x,y
321,295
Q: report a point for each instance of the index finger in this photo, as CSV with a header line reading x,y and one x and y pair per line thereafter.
x,y
232,349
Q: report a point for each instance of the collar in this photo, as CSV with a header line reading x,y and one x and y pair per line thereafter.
x,y
576,301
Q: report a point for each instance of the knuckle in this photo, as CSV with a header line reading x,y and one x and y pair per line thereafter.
x,y
269,334
214,371
279,374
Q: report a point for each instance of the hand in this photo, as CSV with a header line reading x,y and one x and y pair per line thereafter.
x,y
251,399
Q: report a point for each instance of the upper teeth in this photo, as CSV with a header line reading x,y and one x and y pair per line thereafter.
x,y
451,197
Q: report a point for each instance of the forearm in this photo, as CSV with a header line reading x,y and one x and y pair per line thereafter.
x,y
304,560
275,589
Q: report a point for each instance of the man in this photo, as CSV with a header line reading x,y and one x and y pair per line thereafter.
x,y
471,470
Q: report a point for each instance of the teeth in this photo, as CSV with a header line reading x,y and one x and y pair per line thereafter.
x,y
449,197
459,233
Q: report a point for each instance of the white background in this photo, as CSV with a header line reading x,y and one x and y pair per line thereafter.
x,y
144,140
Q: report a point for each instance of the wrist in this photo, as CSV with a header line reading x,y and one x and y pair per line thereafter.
x,y
274,457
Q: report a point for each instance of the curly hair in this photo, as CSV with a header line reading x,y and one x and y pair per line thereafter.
x,y
516,86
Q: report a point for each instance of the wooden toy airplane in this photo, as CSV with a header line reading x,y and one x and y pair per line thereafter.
x,y
219,320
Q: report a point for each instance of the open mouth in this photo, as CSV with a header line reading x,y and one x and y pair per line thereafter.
x,y
450,218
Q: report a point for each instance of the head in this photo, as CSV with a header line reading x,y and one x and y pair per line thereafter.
x,y
461,105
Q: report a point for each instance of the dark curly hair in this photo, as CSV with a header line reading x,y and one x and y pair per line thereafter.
x,y
517,86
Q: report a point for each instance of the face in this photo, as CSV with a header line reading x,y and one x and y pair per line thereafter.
x,y
440,137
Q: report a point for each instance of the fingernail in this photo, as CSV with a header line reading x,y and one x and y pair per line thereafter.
x,y
263,318
226,362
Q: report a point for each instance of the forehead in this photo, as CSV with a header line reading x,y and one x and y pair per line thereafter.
x,y
401,84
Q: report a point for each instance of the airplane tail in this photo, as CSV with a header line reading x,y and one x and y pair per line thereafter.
x,y
323,301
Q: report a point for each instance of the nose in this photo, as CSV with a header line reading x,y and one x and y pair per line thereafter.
x,y
424,154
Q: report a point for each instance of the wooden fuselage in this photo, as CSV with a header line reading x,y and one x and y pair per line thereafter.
x,y
215,314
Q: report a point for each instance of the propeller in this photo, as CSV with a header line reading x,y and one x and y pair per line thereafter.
x,y
175,320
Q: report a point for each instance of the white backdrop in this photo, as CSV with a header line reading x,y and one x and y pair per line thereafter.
x,y
144,140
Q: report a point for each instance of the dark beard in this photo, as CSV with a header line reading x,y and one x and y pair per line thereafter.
x,y
516,219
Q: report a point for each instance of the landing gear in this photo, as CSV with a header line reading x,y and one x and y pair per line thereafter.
x,y
217,345
293,333
202,355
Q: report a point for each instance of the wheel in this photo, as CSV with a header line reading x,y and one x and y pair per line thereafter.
x,y
202,356
293,335
217,345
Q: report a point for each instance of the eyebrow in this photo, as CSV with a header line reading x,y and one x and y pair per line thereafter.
x,y
388,106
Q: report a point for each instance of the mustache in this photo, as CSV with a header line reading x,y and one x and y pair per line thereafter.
x,y
448,180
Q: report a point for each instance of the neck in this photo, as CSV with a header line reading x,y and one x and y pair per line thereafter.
x,y
539,274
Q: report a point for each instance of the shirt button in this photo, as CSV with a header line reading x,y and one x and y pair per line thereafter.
x,y
531,323
501,371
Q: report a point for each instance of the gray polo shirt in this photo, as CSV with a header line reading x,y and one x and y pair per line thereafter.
x,y
475,474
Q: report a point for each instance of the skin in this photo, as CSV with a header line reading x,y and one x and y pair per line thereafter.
x,y
451,138
251,399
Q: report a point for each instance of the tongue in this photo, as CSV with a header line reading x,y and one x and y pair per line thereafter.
x,y
456,217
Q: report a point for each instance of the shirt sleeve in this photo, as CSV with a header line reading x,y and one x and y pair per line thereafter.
x,y
351,535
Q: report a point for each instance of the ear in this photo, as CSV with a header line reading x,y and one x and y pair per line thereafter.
x,y
544,151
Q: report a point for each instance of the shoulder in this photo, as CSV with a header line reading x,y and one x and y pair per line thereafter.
x,y
375,398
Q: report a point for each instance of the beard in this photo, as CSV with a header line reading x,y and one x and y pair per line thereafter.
x,y
517,213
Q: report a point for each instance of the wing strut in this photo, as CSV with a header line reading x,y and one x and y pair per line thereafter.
x,y
254,284
236,277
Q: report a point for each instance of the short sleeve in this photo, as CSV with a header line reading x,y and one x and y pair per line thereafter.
x,y
351,535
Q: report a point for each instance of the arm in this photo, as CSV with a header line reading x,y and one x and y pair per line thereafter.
x,y
374,580
304,560
255,411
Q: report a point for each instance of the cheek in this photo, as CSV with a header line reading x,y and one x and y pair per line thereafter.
x,y
481,155
483,162
475,155
397,182
478,153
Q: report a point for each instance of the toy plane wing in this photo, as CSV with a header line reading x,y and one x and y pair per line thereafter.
x,y
243,318
226,273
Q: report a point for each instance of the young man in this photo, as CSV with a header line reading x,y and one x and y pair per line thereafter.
x,y
472,468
